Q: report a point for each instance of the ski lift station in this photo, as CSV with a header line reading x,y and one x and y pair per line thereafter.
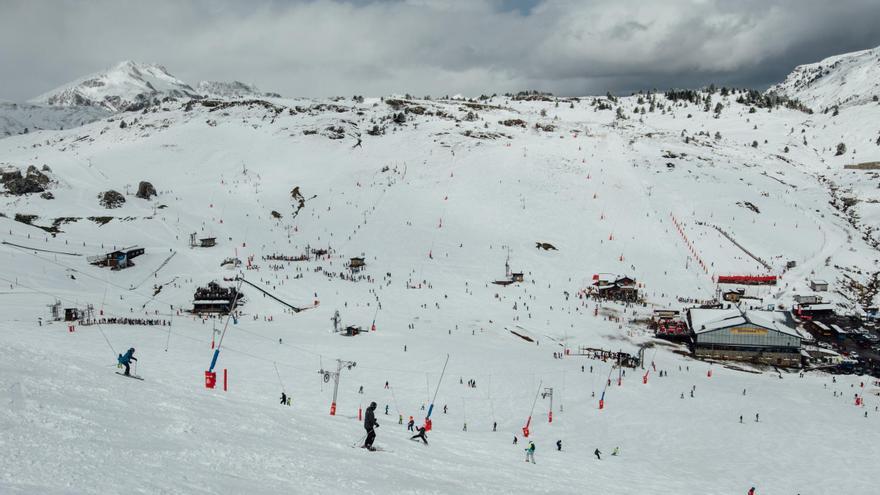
x,y
767,337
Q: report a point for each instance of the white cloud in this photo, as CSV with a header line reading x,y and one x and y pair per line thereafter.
x,y
326,47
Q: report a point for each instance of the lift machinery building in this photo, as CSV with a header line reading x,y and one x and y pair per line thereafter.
x,y
746,335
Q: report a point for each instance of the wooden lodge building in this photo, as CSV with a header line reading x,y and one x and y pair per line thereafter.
x,y
117,260
620,289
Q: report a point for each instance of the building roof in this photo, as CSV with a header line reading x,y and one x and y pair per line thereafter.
x,y
816,307
709,320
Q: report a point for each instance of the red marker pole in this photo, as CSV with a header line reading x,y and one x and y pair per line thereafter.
x,y
224,379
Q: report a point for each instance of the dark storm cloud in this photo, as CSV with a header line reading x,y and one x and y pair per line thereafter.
x,y
324,47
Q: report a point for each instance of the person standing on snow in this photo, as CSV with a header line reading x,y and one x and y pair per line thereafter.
x,y
559,445
370,424
283,399
412,422
598,454
126,359
530,452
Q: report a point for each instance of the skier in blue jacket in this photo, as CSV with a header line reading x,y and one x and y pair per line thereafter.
x,y
126,359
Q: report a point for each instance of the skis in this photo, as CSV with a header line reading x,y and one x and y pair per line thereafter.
x,y
130,376
374,449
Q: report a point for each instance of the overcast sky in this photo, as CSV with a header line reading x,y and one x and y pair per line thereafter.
x,y
436,47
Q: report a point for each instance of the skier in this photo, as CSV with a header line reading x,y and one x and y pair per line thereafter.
x,y
400,419
126,359
514,440
751,491
530,452
559,445
495,426
386,409
412,422
740,418
370,424
361,390
756,417
420,434
616,451
283,399
598,454
289,398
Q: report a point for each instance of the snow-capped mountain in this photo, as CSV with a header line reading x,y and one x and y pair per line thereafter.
x,y
19,118
126,86
232,90
841,80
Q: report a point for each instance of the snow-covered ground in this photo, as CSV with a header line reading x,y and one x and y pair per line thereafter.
x,y
435,204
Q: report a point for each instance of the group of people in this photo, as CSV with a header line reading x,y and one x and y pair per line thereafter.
x,y
149,322
370,425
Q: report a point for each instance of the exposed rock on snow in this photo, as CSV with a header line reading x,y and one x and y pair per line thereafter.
x,y
111,199
17,184
145,190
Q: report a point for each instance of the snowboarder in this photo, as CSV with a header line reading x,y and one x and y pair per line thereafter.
x,y
559,445
370,424
444,408
616,451
289,398
361,390
412,422
283,399
420,434
598,454
126,359
751,491
530,452
740,418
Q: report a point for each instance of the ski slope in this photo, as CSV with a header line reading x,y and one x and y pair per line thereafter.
x,y
435,211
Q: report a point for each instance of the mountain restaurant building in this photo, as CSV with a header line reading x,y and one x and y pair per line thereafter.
x,y
767,337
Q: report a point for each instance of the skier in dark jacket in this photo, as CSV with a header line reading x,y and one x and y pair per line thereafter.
x,y
370,424
283,399
126,359
420,434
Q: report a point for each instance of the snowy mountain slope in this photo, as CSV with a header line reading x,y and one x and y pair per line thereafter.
x,y
232,90
124,86
841,80
16,118
432,194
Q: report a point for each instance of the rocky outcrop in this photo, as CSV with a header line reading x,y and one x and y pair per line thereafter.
x,y
17,184
111,199
145,190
